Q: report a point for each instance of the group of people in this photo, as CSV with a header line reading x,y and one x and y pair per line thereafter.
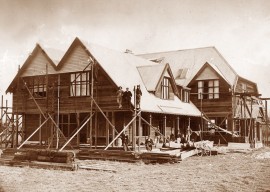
x,y
124,97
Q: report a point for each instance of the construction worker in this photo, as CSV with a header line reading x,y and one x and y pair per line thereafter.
x,y
138,97
119,96
127,97
149,143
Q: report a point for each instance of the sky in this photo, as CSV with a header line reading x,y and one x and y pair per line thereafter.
x,y
239,29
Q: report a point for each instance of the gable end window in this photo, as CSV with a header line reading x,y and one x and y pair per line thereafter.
x,y
165,94
208,89
80,84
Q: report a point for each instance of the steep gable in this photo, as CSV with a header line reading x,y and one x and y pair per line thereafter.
x,y
208,72
151,75
37,63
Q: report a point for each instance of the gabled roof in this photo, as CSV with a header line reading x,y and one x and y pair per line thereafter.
x,y
194,59
38,49
150,75
55,54
214,68
123,70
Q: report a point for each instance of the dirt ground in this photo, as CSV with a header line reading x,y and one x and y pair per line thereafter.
x,y
227,172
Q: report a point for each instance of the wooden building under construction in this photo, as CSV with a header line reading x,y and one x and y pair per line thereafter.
x,y
229,103
72,96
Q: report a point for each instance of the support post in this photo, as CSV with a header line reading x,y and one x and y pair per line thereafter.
x,y
150,124
40,133
113,132
132,120
91,104
107,131
165,125
267,125
140,131
177,125
58,110
96,129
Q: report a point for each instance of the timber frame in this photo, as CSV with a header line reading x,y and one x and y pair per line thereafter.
x,y
73,103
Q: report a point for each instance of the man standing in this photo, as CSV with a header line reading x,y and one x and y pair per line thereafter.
x,y
119,95
127,97
148,143
138,97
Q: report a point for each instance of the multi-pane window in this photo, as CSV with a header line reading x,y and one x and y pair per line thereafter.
x,y
80,84
37,86
208,89
165,88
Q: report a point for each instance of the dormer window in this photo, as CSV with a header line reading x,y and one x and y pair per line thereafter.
x,y
208,89
165,94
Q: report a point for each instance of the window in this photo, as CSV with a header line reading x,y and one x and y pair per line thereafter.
x,y
37,86
165,88
208,89
186,96
80,84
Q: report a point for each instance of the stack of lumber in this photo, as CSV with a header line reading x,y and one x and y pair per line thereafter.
x,y
7,155
45,159
150,157
114,155
45,156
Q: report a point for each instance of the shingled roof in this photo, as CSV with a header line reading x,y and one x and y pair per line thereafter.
x,y
193,60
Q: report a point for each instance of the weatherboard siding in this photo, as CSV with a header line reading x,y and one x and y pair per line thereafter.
x,y
223,104
38,64
77,60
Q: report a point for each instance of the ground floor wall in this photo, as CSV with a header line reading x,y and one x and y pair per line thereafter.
x,y
104,129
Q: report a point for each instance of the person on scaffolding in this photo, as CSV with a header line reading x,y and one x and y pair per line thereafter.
x,y
119,96
149,143
138,97
127,97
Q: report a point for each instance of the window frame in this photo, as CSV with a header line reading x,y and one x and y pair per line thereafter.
x,y
208,89
38,86
165,88
80,84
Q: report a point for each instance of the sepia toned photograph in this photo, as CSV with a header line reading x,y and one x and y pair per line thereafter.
x,y
134,95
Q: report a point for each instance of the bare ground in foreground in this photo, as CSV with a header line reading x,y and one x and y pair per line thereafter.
x,y
229,172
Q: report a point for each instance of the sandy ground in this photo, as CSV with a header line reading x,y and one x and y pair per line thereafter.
x,y
228,172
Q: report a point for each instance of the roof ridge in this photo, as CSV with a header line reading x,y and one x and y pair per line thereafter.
x,y
187,49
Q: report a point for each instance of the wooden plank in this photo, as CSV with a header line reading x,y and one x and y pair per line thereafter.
x,y
186,154
241,146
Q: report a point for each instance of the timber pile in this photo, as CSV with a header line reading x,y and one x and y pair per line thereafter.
x,y
150,157
127,156
7,155
44,156
113,155
43,159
